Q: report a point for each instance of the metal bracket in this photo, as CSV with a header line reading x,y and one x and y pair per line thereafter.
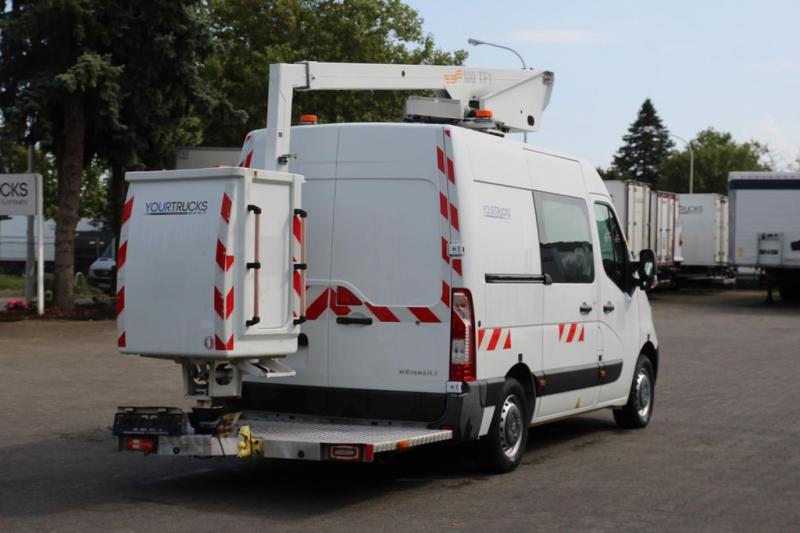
x,y
248,444
284,159
269,367
455,249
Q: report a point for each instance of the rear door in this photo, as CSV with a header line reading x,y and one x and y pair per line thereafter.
x,y
316,151
389,282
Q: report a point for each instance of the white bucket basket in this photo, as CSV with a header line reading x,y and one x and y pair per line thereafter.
x,y
211,264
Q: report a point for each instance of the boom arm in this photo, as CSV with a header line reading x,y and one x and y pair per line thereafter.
x,y
516,97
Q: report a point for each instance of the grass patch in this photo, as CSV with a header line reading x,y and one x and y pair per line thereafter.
x,y
12,284
15,286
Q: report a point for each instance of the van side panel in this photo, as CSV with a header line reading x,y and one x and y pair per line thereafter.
x,y
498,227
513,315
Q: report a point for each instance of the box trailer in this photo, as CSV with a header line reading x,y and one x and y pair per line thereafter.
x,y
765,226
664,231
704,238
632,202
461,286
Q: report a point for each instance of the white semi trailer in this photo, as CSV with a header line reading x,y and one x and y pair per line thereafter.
x,y
704,224
632,202
350,290
651,221
664,225
765,226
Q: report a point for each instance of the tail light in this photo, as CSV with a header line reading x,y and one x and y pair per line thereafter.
x,y
141,444
462,337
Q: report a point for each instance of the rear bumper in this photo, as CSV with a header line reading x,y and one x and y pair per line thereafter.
x,y
463,412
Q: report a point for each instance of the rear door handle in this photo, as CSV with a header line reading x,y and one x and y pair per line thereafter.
x,y
360,320
608,307
585,308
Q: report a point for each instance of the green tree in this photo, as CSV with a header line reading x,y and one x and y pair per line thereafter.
x,y
58,86
163,46
252,34
647,144
610,173
100,83
715,155
93,185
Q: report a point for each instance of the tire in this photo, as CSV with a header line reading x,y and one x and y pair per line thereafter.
x,y
637,412
789,292
501,450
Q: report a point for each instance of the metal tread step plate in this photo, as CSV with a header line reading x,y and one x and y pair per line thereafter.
x,y
382,438
284,438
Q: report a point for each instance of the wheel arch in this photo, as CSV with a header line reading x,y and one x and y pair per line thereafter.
x,y
651,352
522,373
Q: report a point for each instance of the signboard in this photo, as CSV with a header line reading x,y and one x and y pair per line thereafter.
x,y
21,194
18,194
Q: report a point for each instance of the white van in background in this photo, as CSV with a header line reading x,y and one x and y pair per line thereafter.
x,y
461,280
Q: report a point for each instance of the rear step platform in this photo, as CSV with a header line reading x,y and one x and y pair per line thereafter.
x,y
289,437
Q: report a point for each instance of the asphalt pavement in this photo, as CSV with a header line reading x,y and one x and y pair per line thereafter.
x,y
721,452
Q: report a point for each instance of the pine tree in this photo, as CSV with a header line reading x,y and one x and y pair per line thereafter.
x,y
647,144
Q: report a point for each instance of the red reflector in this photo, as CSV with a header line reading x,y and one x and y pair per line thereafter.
x,y
141,444
369,453
344,452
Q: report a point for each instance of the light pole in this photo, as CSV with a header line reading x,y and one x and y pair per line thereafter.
x,y
478,42
651,129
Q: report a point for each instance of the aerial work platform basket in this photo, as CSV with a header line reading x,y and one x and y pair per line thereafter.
x,y
211,264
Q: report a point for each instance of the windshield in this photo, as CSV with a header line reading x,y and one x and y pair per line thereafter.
x,y
109,251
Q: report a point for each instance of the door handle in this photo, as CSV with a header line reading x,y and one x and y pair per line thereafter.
x,y
585,308
608,307
360,320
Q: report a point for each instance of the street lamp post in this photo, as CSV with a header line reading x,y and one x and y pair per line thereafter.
x,y
651,129
691,161
478,42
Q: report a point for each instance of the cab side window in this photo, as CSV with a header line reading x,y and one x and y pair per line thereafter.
x,y
565,239
612,244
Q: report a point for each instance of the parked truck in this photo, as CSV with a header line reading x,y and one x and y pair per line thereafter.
x,y
632,202
664,229
765,226
704,224
355,290
651,221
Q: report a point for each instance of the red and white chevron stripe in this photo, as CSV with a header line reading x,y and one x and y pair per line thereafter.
x,y
246,156
491,339
571,332
223,277
122,256
299,257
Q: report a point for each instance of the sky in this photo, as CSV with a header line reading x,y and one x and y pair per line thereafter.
x,y
733,66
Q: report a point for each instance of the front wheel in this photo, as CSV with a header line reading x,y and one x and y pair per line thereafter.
x,y
637,412
502,448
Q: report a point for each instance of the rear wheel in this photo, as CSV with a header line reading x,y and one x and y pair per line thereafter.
x,y
502,448
637,412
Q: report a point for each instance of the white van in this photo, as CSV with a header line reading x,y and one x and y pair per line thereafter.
x,y
352,290
457,279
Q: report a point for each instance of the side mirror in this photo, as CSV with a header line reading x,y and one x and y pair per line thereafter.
x,y
647,269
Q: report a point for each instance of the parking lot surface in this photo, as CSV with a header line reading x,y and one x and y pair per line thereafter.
x,y
721,452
